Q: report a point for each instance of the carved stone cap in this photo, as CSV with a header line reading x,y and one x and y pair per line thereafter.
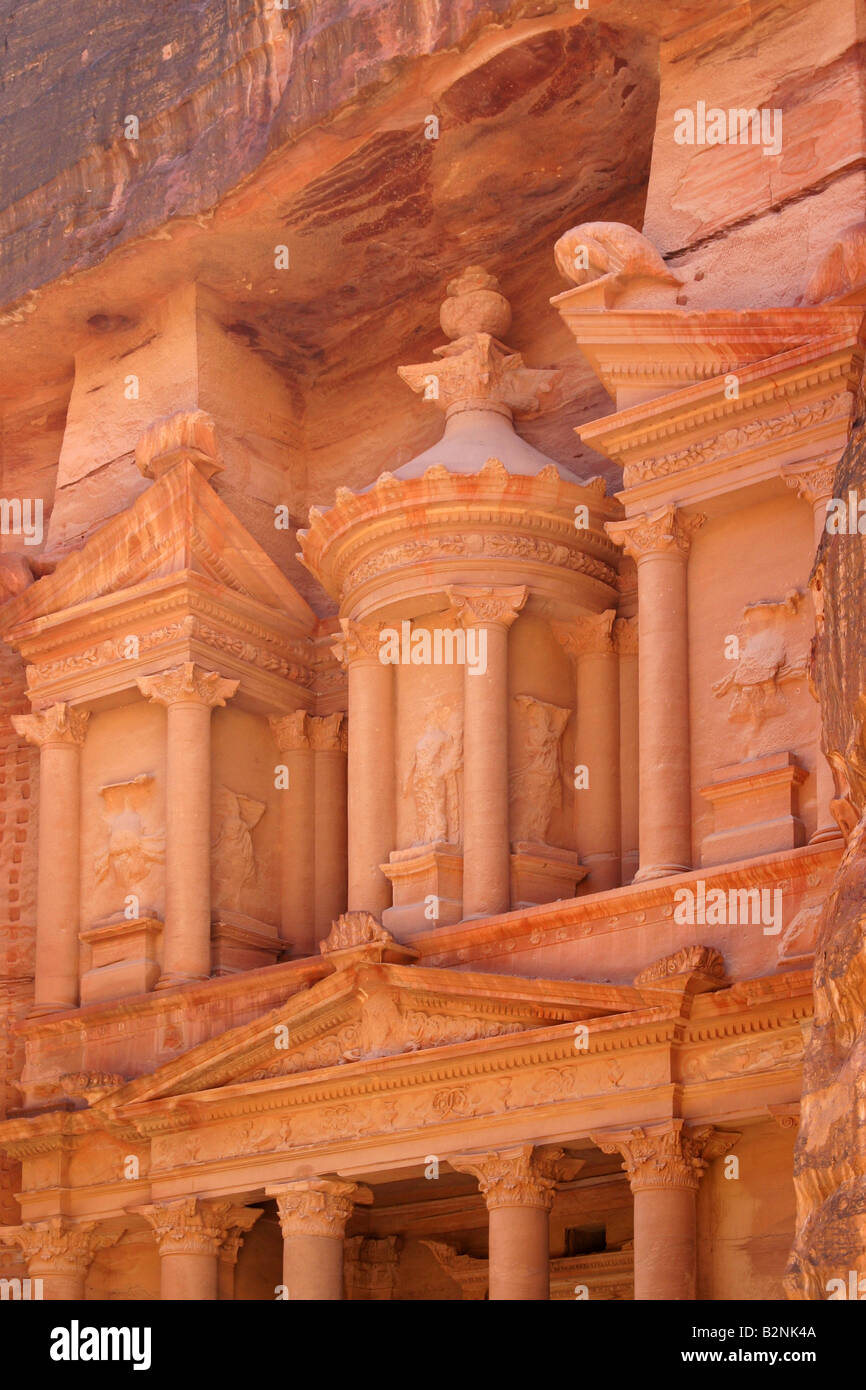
x,y
359,936
668,1155
813,482
697,968
318,1206
56,724
187,684
193,1225
299,730
188,435
61,1245
665,531
360,642
487,607
518,1177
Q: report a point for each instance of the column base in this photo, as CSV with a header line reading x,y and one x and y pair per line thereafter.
x,y
827,835
660,871
39,1010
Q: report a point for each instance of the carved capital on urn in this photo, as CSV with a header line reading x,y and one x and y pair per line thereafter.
x,y
60,1245
518,1177
318,1206
191,1225
663,532
187,684
672,1154
813,482
478,607
56,724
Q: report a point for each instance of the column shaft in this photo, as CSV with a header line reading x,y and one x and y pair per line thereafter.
x,y
313,1268
372,759
665,1243
297,852
519,1253
597,807
186,947
188,1274
331,838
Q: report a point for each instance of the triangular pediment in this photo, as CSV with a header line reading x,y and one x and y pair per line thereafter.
x,y
178,526
369,1011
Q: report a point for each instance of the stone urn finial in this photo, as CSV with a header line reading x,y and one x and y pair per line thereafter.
x,y
475,304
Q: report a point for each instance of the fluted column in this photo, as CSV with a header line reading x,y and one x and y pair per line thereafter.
x,y
330,739
297,833
313,1215
190,1232
625,641
189,695
59,733
664,1164
59,1252
372,759
815,485
486,841
659,544
518,1184
597,807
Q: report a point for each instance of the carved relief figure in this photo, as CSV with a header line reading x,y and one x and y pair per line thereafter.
x,y
130,851
434,778
536,779
766,660
234,860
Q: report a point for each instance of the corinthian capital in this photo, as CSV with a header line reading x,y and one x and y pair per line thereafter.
x,y
291,731
360,642
56,724
329,733
187,684
669,1155
519,1177
655,533
625,636
487,607
318,1206
192,1225
589,634
62,1246
813,482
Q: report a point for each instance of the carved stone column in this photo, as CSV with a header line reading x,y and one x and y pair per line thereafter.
x,y
244,1218
371,1267
59,732
297,833
189,695
190,1232
625,640
59,1252
486,841
313,1215
664,1164
518,1186
597,806
372,759
330,739
815,485
659,544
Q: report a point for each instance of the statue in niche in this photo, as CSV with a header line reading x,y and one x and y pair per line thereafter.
x,y
130,851
536,779
765,662
233,857
434,778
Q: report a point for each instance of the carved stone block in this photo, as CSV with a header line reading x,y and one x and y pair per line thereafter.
x,y
124,959
427,883
242,943
543,873
755,809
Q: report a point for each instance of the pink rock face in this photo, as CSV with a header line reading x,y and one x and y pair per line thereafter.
x,y
401,789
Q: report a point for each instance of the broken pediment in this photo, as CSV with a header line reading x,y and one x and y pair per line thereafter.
x,y
376,1009
174,578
